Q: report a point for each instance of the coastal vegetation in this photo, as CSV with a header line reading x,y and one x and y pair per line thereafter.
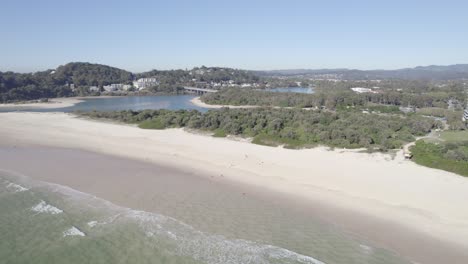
x,y
434,103
293,128
331,99
446,155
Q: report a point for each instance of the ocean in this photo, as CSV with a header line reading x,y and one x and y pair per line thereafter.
x,y
48,223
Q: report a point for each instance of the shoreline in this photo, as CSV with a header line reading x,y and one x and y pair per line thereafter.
x,y
198,102
150,183
51,104
396,191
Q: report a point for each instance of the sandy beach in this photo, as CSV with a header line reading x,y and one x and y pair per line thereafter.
x,y
52,103
388,197
198,102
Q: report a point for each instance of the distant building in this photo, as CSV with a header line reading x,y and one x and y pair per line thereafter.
x,y
409,109
126,87
452,104
143,83
113,87
94,89
201,84
362,90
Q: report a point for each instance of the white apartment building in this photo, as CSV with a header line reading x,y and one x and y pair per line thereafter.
x,y
143,83
362,90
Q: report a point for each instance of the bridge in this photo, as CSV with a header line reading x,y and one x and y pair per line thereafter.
x,y
199,90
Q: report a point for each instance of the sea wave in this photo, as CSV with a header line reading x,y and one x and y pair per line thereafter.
x,y
73,231
210,248
16,187
43,207
184,239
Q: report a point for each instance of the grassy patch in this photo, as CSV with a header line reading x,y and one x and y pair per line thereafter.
x,y
152,124
219,133
454,136
272,141
448,157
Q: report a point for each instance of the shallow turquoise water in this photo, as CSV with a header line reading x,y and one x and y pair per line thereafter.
x,y
48,223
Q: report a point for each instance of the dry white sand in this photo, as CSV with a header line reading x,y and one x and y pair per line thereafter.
x,y
423,199
52,103
196,101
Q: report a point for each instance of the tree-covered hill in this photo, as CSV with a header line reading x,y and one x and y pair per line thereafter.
x,y
56,83
83,73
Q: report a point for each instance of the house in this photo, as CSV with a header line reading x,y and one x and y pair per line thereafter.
x,y
113,87
126,87
144,83
93,89
362,90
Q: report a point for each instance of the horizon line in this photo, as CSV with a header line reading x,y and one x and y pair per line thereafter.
x,y
238,68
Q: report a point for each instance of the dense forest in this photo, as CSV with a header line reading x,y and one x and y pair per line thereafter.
x,y
290,127
203,74
330,99
56,83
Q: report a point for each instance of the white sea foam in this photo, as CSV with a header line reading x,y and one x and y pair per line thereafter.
x,y
92,223
16,187
73,231
186,240
212,248
367,249
43,207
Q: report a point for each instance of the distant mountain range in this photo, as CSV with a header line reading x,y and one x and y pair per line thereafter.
x,y
433,72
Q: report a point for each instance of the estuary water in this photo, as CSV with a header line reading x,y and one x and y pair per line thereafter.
x,y
171,102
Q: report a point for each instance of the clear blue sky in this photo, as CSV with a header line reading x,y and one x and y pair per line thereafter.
x,y
144,35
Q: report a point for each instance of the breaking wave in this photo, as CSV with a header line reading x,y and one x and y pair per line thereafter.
x,y
184,240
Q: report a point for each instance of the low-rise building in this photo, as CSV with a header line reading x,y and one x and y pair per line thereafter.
x,y
127,87
94,89
362,90
113,87
143,83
